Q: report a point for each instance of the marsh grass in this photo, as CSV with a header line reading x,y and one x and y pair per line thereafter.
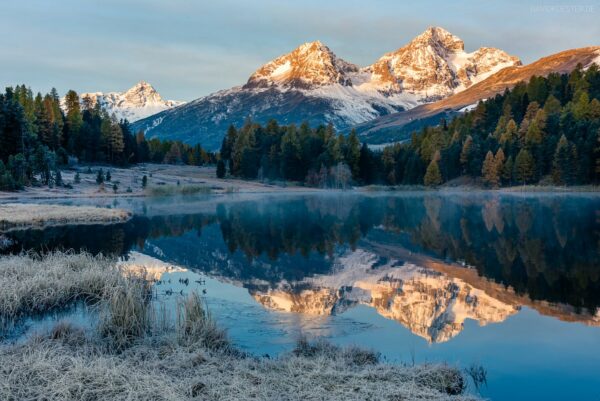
x,y
195,325
125,314
167,190
478,374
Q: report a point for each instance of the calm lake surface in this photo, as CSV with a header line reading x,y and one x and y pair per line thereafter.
x,y
510,282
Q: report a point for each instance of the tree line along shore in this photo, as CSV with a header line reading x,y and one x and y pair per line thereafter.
x,y
543,132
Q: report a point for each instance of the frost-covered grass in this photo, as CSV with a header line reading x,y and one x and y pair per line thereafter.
x,y
63,366
133,355
195,325
31,284
21,215
126,314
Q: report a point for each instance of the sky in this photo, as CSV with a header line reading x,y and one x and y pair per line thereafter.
x,y
190,48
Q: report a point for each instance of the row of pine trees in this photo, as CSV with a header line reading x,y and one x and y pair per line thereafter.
x,y
38,137
546,130
319,156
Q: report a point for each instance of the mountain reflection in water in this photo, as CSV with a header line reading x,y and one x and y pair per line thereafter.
x,y
426,261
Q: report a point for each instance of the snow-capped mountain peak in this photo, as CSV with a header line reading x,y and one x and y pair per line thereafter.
x,y
310,65
438,37
434,65
138,102
142,94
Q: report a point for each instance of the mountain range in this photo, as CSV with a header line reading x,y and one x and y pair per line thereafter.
x,y
429,78
312,84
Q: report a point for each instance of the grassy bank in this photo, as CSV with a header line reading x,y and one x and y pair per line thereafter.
x,y
23,215
135,354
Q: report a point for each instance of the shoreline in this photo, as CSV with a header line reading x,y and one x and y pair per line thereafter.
x,y
168,180
131,353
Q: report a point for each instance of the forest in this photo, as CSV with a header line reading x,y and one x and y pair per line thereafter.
x,y
544,131
39,136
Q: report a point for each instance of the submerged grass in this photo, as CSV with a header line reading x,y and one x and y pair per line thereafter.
x,y
133,356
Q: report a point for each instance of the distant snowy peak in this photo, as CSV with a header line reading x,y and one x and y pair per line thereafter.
x,y
141,101
435,64
309,66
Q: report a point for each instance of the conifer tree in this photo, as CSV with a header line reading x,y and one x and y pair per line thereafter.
x,y
507,170
560,168
433,176
352,156
117,143
100,177
74,119
465,154
489,171
524,168
290,154
510,133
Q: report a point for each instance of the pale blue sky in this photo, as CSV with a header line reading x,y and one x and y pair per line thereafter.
x,y
189,48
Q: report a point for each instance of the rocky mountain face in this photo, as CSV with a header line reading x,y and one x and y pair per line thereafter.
x,y
435,65
309,66
140,101
312,84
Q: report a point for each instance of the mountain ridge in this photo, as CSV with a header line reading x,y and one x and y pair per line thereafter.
x,y
312,84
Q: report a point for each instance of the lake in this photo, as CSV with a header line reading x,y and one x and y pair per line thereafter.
x,y
510,282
